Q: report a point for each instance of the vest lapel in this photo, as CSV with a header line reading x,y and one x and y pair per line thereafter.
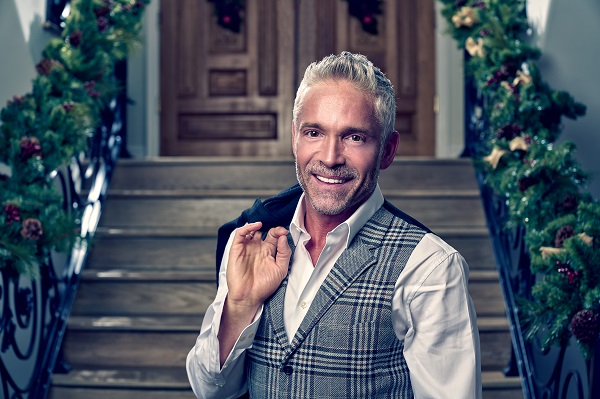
x,y
274,306
359,256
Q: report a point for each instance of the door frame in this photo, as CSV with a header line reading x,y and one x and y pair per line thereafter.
x,y
449,135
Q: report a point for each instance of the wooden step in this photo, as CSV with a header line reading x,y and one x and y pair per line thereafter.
x,y
497,386
118,341
495,341
193,248
191,292
171,382
251,173
433,210
145,293
155,378
87,393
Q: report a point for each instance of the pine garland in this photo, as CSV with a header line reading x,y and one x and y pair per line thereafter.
x,y
43,130
542,183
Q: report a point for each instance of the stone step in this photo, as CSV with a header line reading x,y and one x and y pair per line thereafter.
x,y
173,383
251,173
117,342
193,248
458,209
103,293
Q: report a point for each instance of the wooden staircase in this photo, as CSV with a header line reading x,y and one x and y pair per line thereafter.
x,y
151,273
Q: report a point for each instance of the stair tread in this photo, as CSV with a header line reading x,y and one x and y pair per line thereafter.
x,y
265,193
165,275
136,323
211,231
176,378
497,379
192,323
141,377
203,274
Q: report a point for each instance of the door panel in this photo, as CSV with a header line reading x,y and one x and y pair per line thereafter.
x,y
225,93
230,94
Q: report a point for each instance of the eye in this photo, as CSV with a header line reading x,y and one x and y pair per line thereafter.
x,y
357,138
312,133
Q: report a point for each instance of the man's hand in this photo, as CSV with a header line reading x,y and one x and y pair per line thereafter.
x,y
255,270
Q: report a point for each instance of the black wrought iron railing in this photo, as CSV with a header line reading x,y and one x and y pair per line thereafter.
x,y
34,312
557,373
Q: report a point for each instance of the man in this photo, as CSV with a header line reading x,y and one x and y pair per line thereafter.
x,y
352,298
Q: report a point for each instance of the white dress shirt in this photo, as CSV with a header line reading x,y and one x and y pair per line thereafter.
x,y
432,313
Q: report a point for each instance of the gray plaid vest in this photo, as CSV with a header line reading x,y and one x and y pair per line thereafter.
x,y
346,346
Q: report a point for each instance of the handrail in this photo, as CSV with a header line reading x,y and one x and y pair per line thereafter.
x,y
34,312
560,372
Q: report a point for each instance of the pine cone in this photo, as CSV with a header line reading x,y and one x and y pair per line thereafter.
x,y
525,182
45,66
585,326
75,38
569,203
102,24
562,234
32,229
509,132
509,70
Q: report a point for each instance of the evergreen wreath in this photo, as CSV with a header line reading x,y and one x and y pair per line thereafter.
x,y
230,13
542,183
43,130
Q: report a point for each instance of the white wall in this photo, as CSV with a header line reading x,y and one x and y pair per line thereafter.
x,y
449,122
567,32
22,40
143,117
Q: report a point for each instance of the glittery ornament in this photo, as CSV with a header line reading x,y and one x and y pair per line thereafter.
x,y
30,147
12,213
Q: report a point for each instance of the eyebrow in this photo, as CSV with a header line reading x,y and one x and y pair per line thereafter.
x,y
349,129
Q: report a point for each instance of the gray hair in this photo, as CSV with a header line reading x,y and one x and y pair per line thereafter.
x,y
365,76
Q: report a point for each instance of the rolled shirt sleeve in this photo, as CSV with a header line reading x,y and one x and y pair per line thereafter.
x,y
207,378
434,314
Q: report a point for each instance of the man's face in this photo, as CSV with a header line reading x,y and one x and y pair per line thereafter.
x,y
337,143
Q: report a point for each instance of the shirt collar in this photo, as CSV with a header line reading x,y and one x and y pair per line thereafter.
x,y
353,224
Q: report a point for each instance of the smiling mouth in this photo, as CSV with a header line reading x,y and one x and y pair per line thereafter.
x,y
330,180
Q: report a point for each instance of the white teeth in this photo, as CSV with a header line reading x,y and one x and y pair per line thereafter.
x,y
330,181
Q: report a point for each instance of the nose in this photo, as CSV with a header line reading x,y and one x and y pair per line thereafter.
x,y
333,152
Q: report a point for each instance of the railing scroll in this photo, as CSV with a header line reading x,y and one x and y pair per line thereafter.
x,y
557,373
34,312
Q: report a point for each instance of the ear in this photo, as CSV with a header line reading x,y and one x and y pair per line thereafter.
x,y
389,150
293,139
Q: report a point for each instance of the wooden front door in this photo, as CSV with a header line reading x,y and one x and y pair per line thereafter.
x,y
231,94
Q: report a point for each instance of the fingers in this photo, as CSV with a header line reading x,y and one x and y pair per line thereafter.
x,y
284,253
246,232
274,235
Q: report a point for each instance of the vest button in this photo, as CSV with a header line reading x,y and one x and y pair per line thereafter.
x,y
288,370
